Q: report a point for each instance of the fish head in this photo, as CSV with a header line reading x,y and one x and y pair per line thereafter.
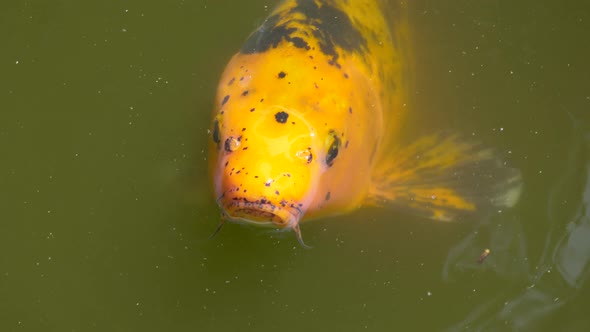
x,y
291,138
265,166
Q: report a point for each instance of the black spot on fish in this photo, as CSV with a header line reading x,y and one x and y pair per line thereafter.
x,y
252,109
333,28
327,198
245,93
282,74
231,81
330,25
281,117
299,42
333,149
225,99
270,34
350,110
216,134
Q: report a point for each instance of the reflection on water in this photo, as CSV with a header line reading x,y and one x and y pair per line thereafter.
x,y
545,285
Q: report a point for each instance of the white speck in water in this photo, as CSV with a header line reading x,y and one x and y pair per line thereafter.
x,y
17,62
429,293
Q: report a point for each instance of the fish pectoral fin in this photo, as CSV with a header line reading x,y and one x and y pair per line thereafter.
x,y
444,177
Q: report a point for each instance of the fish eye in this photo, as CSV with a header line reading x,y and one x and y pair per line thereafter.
x,y
334,145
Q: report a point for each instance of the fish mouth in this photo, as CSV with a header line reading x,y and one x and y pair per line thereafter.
x,y
264,214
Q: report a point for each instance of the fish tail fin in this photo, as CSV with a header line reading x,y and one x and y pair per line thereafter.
x,y
445,178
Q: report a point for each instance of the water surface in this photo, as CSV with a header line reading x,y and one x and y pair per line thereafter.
x,y
106,210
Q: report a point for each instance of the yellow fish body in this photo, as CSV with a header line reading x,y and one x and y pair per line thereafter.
x,y
305,118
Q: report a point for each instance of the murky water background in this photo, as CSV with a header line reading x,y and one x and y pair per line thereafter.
x,y
106,212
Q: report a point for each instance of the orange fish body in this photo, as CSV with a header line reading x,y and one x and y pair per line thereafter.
x,y
305,114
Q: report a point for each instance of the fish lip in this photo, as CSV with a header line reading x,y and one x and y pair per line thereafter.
x,y
262,214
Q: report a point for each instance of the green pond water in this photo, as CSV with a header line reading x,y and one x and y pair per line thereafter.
x,y
106,211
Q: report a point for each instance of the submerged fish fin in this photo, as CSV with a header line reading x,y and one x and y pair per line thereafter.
x,y
445,178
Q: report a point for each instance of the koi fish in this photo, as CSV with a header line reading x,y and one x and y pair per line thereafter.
x,y
306,117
